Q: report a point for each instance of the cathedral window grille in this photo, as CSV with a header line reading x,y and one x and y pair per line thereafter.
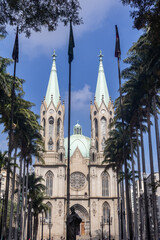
x,y
106,211
105,184
49,211
58,126
103,126
44,126
51,125
49,183
77,180
96,127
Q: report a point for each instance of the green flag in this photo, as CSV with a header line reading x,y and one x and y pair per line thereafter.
x,y
71,44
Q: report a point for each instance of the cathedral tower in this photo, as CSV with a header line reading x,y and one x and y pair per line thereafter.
x,y
101,114
52,118
53,170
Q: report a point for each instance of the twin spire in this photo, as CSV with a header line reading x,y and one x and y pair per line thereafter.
x,y
53,87
101,88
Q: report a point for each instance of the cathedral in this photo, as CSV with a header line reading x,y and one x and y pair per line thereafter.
x,y
93,190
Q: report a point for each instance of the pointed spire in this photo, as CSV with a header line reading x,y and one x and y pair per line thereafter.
x,y
101,88
53,88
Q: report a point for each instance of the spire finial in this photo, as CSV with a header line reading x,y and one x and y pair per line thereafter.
x,y
54,55
100,56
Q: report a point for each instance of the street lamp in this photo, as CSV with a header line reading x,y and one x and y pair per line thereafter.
x,y
1,176
29,220
102,224
2,199
109,226
49,225
42,224
32,211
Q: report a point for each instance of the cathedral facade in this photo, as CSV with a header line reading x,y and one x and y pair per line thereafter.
x,y
93,190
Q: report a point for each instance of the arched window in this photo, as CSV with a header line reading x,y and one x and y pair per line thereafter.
x,y
103,126
106,212
51,125
49,183
58,126
57,146
49,212
96,127
97,145
105,184
44,125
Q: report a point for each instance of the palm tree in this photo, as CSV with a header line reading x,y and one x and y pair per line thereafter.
x,y
36,194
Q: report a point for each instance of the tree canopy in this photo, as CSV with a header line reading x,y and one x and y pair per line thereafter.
x,y
35,14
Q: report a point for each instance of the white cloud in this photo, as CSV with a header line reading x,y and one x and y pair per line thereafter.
x,y
80,99
93,12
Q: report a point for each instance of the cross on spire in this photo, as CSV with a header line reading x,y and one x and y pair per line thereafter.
x,y
100,56
54,55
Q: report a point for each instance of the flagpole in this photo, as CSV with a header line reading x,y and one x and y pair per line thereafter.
x,y
70,58
117,54
68,168
3,236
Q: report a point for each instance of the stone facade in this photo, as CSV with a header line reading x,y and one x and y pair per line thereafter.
x,y
93,191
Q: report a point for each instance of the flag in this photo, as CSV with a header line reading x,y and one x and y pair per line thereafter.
x,y
15,52
71,44
117,48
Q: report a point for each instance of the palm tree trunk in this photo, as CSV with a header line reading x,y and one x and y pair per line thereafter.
x,y
157,132
146,213
152,176
140,186
128,206
22,205
134,191
123,222
18,204
36,226
12,195
25,208
119,208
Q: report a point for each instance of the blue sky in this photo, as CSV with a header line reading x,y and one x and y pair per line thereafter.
x,y
97,33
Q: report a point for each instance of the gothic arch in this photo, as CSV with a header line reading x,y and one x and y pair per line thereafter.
x,y
105,212
51,126
59,126
105,183
96,127
44,126
103,126
83,213
49,183
49,211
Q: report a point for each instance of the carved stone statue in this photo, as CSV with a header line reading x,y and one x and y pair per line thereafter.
x,y
73,225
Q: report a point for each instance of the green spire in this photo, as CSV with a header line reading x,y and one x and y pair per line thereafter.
x,y
101,88
53,88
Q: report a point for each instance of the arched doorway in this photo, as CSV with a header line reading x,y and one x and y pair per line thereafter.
x,y
83,213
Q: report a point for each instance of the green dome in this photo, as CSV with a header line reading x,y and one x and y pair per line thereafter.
x,y
78,140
